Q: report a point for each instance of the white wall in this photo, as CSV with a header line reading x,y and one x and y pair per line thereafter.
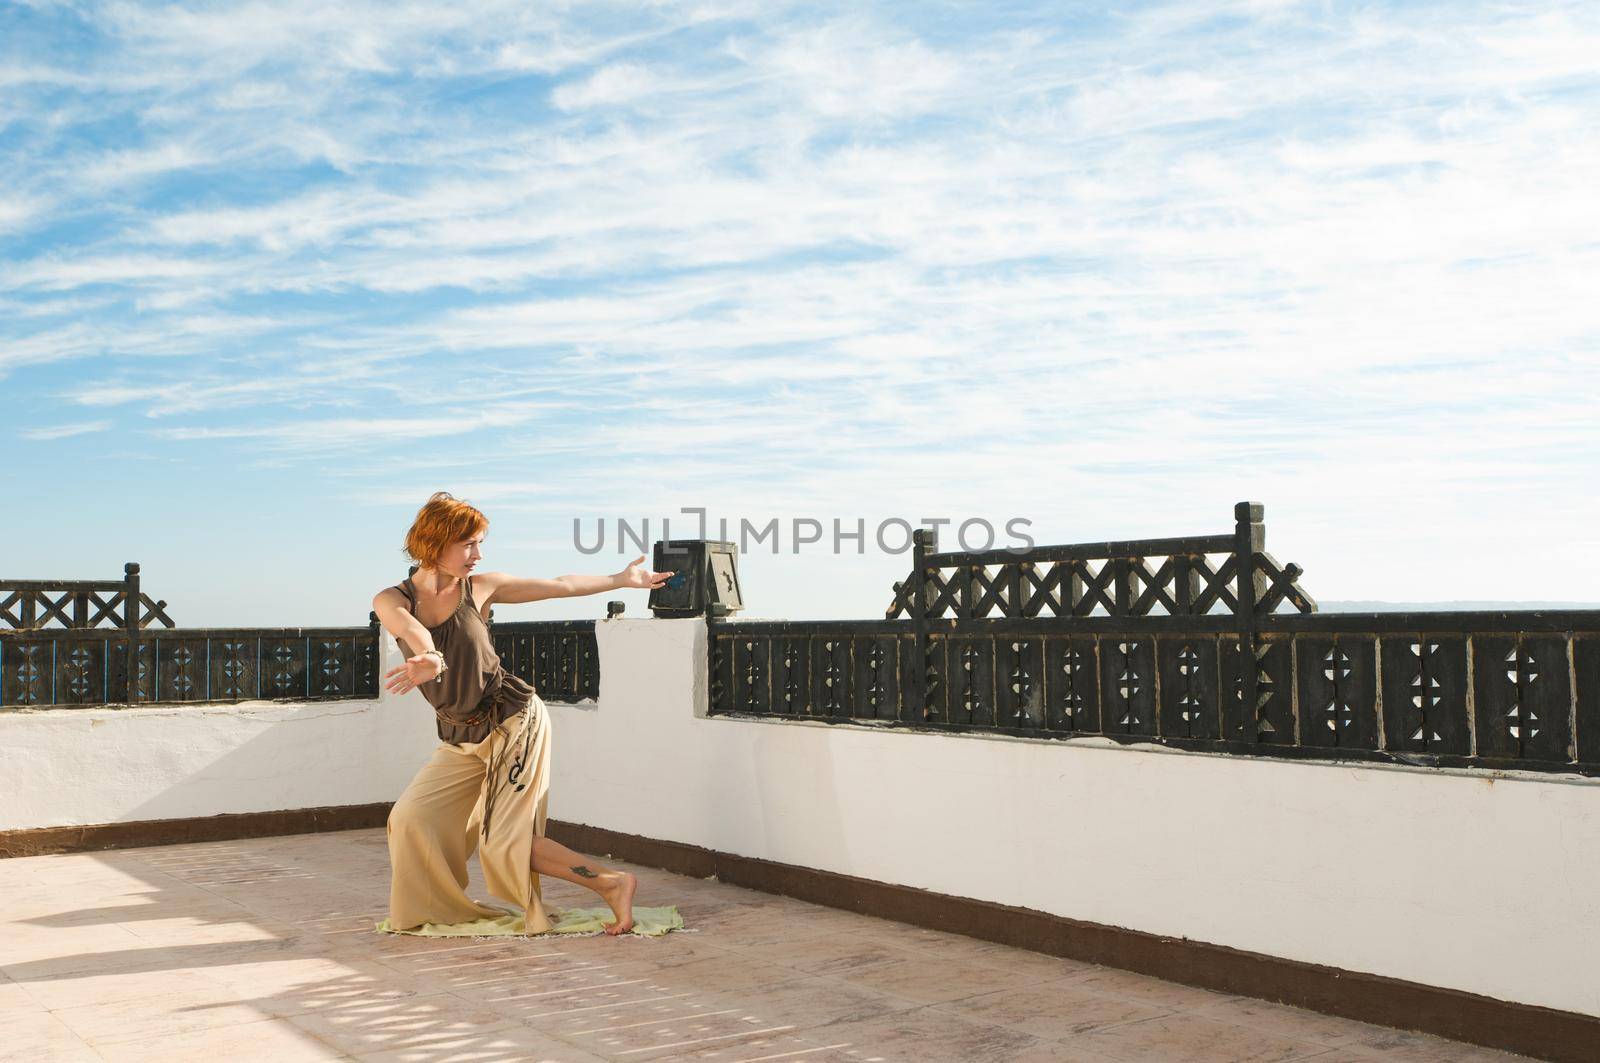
x,y
61,767
1456,879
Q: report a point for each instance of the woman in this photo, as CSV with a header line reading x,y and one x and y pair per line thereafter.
x,y
486,784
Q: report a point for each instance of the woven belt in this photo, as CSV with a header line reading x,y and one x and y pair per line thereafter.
x,y
471,721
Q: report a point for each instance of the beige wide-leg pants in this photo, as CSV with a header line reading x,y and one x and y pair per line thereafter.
x,y
439,820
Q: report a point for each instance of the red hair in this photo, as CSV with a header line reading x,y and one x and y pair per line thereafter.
x,y
443,521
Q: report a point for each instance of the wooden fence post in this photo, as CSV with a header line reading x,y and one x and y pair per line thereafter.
x,y
130,624
924,541
1249,536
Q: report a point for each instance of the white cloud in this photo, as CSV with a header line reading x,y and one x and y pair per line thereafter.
x,y
133,164
851,70
66,273
335,434
64,431
17,211
617,83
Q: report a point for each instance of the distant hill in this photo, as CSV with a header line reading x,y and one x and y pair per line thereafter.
x,y
1458,606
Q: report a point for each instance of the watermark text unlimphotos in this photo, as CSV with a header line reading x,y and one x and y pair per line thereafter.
x,y
891,535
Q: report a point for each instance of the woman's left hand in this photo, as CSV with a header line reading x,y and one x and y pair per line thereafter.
x,y
636,575
412,673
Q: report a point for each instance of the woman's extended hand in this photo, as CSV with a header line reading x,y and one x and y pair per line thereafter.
x,y
416,671
635,575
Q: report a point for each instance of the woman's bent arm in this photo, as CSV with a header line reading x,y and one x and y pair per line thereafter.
x,y
426,662
396,618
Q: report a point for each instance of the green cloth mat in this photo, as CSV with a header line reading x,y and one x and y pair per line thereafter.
x,y
647,922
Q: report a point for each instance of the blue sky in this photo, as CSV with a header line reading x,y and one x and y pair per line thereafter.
x,y
270,273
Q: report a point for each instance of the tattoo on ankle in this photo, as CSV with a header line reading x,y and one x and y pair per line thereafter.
x,y
584,872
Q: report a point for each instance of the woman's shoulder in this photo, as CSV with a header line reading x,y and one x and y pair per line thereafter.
x,y
398,595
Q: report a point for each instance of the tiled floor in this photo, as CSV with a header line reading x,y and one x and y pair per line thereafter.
x,y
264,950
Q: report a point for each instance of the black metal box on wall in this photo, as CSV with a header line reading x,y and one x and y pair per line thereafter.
x,y
705,578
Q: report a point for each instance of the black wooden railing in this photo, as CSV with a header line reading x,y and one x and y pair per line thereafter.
x,y
559,657
86,668
1189,652
80,664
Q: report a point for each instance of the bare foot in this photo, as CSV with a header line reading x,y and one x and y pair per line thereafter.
x,y
619,895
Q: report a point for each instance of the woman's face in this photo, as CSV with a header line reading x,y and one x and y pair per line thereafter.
x,y
461,558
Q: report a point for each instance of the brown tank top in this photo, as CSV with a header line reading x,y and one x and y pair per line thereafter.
x,y
476,692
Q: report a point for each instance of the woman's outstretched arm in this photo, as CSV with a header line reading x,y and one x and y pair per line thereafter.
x,y
503,588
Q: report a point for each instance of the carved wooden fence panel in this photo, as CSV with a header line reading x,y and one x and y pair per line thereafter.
x,y
89,667
559,657
1485,689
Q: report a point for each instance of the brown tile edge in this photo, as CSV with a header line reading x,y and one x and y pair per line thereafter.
x,y
1544,1033
79,839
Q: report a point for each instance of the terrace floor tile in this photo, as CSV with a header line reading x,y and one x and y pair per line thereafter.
x,y
265,949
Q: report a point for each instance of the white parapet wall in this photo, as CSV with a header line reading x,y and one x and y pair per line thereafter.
x,y
1483,882
77,767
